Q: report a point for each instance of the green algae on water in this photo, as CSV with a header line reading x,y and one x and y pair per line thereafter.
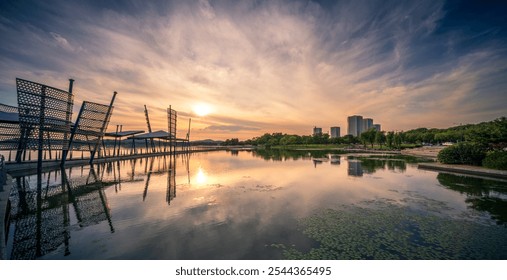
x,y
391,231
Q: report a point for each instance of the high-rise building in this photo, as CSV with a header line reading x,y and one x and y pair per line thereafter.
x,y
367,124
317,131
335,132
355,124
377,127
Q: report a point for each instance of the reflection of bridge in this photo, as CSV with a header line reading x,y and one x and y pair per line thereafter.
x,y
170,168
166,165
41,215
47,206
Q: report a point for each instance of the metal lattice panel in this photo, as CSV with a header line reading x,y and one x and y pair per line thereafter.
x,y
171,125
91,125
9,127
8,108
9,136
171,120
44,116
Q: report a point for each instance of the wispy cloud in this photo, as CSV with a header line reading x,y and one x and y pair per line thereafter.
x,y
228,128
264,66
63,43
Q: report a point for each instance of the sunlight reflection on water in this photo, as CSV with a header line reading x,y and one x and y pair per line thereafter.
x,y
220,205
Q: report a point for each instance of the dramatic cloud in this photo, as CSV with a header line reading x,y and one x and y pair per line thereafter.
x,y
230,128
265,66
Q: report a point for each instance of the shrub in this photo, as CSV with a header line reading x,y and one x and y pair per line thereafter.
x,y
463,153
496,160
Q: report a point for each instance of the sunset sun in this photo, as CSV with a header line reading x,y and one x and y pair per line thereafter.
x,y
201,109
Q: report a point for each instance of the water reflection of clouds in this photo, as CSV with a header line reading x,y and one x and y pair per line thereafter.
x,y
236,205
233,215
300,186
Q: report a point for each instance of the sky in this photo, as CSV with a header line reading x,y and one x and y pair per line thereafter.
x,y
264,66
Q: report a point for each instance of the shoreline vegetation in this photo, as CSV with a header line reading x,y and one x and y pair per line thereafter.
x,y
483,145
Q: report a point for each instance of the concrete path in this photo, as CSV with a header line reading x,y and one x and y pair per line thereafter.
x,y
465,169
427,151
28,168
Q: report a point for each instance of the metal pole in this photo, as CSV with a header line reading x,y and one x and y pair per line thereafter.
x,y
72,134
41,130
68,119
102,131
115,137
119,141
188,133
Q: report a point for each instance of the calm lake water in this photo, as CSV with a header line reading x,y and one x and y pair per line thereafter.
x,y
257,205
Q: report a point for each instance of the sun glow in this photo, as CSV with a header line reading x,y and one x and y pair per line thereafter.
x,y
201,109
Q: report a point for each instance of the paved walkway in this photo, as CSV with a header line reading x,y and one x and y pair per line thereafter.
x,y
4,200
465,169
427,151
28,168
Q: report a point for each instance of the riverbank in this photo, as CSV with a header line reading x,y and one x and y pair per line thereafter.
x,y
426,151
431,152
465,169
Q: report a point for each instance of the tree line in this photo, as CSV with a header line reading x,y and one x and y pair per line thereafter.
x,y
492,133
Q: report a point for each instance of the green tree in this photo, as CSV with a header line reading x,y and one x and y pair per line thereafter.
x,y
390,139
307,139
231,142
493,134
336,140
320,138
289,140
349,139
380,138
463,153
273,142
368,137
398,138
